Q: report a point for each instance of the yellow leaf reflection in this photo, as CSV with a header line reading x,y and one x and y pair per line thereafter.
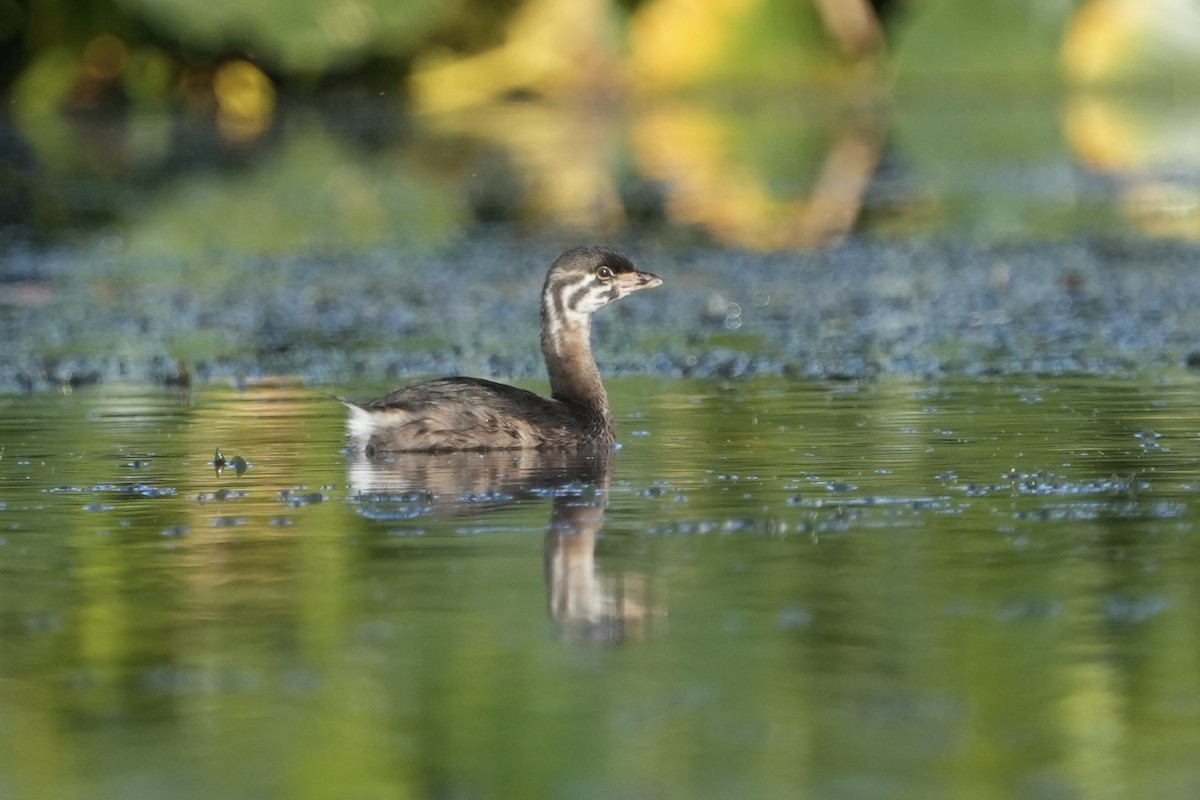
x,y
688,150
565,156
245,100
1143,144
672,42
1111,41
551,47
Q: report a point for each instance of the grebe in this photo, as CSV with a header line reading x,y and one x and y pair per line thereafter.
x,y
474,414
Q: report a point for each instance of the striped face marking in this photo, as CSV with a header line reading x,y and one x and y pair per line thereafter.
x,y
575,289
592,292
573,298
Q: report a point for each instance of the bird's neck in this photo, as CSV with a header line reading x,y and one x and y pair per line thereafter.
x,y
574,378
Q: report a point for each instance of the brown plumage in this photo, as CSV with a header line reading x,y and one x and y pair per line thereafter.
x,y
476,414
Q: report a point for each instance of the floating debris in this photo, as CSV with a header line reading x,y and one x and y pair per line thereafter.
x,y
1044,482
142,489
297,500
219,463
145,490
1123,609
221,495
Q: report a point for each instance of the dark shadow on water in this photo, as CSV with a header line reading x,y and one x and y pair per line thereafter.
x,y
586,603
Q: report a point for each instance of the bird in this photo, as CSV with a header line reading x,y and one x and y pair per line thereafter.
x,y
463,414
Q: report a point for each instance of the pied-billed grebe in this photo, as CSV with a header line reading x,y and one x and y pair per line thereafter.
x,y
474,414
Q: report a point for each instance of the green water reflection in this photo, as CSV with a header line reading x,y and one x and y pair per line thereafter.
x,y
783,171
780,590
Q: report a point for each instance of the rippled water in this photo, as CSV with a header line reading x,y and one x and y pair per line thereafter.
x,y
970,589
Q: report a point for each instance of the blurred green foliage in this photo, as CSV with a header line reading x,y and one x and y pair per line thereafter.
x,y
313,193
749,120
298,36
1004,40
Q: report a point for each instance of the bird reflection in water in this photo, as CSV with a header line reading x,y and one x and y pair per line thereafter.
x,y
586,603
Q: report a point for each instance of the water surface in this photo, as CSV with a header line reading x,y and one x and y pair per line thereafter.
x,y
774,589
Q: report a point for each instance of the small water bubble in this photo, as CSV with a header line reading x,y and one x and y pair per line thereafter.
x,y
1028,608
174,531
41,622
97,507
1121,608
794,618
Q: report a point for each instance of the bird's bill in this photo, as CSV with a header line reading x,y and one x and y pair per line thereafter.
x,y
636,281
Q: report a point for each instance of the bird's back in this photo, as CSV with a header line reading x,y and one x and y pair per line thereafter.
x,y
465,414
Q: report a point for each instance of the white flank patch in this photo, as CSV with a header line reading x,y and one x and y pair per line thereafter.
x,y
361,425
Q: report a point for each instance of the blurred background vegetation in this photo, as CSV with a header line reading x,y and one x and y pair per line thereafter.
x,y
182,127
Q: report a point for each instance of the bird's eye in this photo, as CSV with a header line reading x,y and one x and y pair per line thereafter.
x,y
604,274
